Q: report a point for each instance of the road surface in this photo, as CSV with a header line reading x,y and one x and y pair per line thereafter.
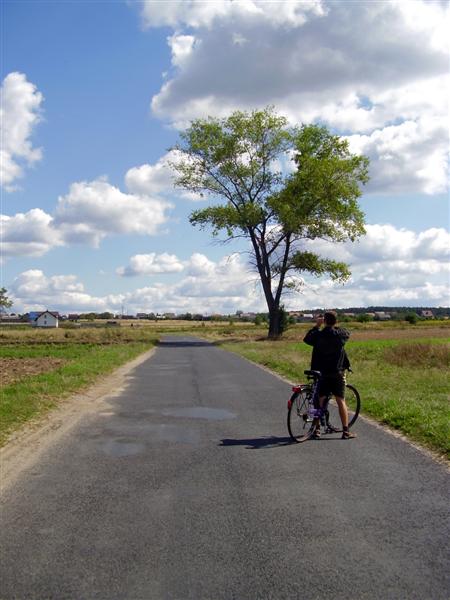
x,y
185,486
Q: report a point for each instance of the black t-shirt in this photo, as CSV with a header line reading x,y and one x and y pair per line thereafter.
x,y
328,356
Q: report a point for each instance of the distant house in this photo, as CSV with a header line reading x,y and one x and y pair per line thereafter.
x,y
4,318
46,319
248,315
427,314
382,316
73,316
33,315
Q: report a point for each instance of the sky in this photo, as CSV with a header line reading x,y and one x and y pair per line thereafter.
x,y
95,93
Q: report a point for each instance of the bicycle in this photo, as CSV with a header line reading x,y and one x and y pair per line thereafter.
x,y
303,409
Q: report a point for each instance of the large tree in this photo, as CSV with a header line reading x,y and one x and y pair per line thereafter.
x,y
280,186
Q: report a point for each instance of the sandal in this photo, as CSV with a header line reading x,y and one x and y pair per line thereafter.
x,y
331,429
347,435
316,434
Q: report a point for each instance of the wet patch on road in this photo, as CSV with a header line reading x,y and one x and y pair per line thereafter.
x,y
119,448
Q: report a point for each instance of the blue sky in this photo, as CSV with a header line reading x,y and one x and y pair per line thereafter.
x,y
95,93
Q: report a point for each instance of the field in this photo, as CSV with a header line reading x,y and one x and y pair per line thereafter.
x,y
401,370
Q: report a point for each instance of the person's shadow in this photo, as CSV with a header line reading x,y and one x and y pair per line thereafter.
x,y
258,443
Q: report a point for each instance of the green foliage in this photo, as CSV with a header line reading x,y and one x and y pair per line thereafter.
x,y
260,319
364,318
320,198
412,318
5,302
232,160
105,315
311,263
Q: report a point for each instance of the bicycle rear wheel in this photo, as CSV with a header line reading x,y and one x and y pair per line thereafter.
x,y
353,402
300,424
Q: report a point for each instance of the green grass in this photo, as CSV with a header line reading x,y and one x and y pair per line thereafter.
x,y
84,363
405,385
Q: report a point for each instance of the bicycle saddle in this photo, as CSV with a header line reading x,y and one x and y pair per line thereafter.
x,y
313,373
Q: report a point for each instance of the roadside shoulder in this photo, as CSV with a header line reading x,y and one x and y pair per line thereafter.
x,y
26,444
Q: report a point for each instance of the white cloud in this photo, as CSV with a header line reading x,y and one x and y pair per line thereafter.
x,y
418,149
33,290
197,13
372,69
228,278
390,266
151,179
208,286
181,46
158,179
92,210
151,264
19,114
28,234
387,244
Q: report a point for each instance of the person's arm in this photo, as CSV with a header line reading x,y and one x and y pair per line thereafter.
x,y
311,336
344,334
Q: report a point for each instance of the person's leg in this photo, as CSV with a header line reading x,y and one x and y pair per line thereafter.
x,y
343,413
316,421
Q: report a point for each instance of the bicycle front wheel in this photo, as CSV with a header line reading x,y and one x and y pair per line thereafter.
x,y
353,402
300,424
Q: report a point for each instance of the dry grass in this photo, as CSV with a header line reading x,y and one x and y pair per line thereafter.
x,y
419,354
141,331
84,335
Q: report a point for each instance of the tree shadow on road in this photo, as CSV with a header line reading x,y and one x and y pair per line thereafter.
x,y
258,443
183,343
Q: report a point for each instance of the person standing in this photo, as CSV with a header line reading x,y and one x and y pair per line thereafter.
x,y
329,357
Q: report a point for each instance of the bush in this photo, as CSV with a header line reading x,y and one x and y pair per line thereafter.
x,y
412,318
364,318
284,320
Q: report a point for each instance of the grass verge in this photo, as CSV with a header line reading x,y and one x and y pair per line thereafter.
x,y
81,365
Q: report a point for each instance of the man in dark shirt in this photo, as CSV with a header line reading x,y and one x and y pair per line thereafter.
x,y
329,357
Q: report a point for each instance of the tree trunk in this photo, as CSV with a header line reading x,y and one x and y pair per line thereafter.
x,y
274,323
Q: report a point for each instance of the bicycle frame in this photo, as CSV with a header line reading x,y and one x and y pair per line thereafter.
x,y
304,409
314,410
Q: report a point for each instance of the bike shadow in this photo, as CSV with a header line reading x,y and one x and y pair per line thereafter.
x,y
258,443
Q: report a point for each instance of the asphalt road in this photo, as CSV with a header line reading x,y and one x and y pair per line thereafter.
x,y
188,488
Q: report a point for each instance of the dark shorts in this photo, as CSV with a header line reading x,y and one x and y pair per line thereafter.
x,y
332,384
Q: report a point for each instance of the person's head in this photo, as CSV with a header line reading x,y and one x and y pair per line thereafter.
x,y
330,318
